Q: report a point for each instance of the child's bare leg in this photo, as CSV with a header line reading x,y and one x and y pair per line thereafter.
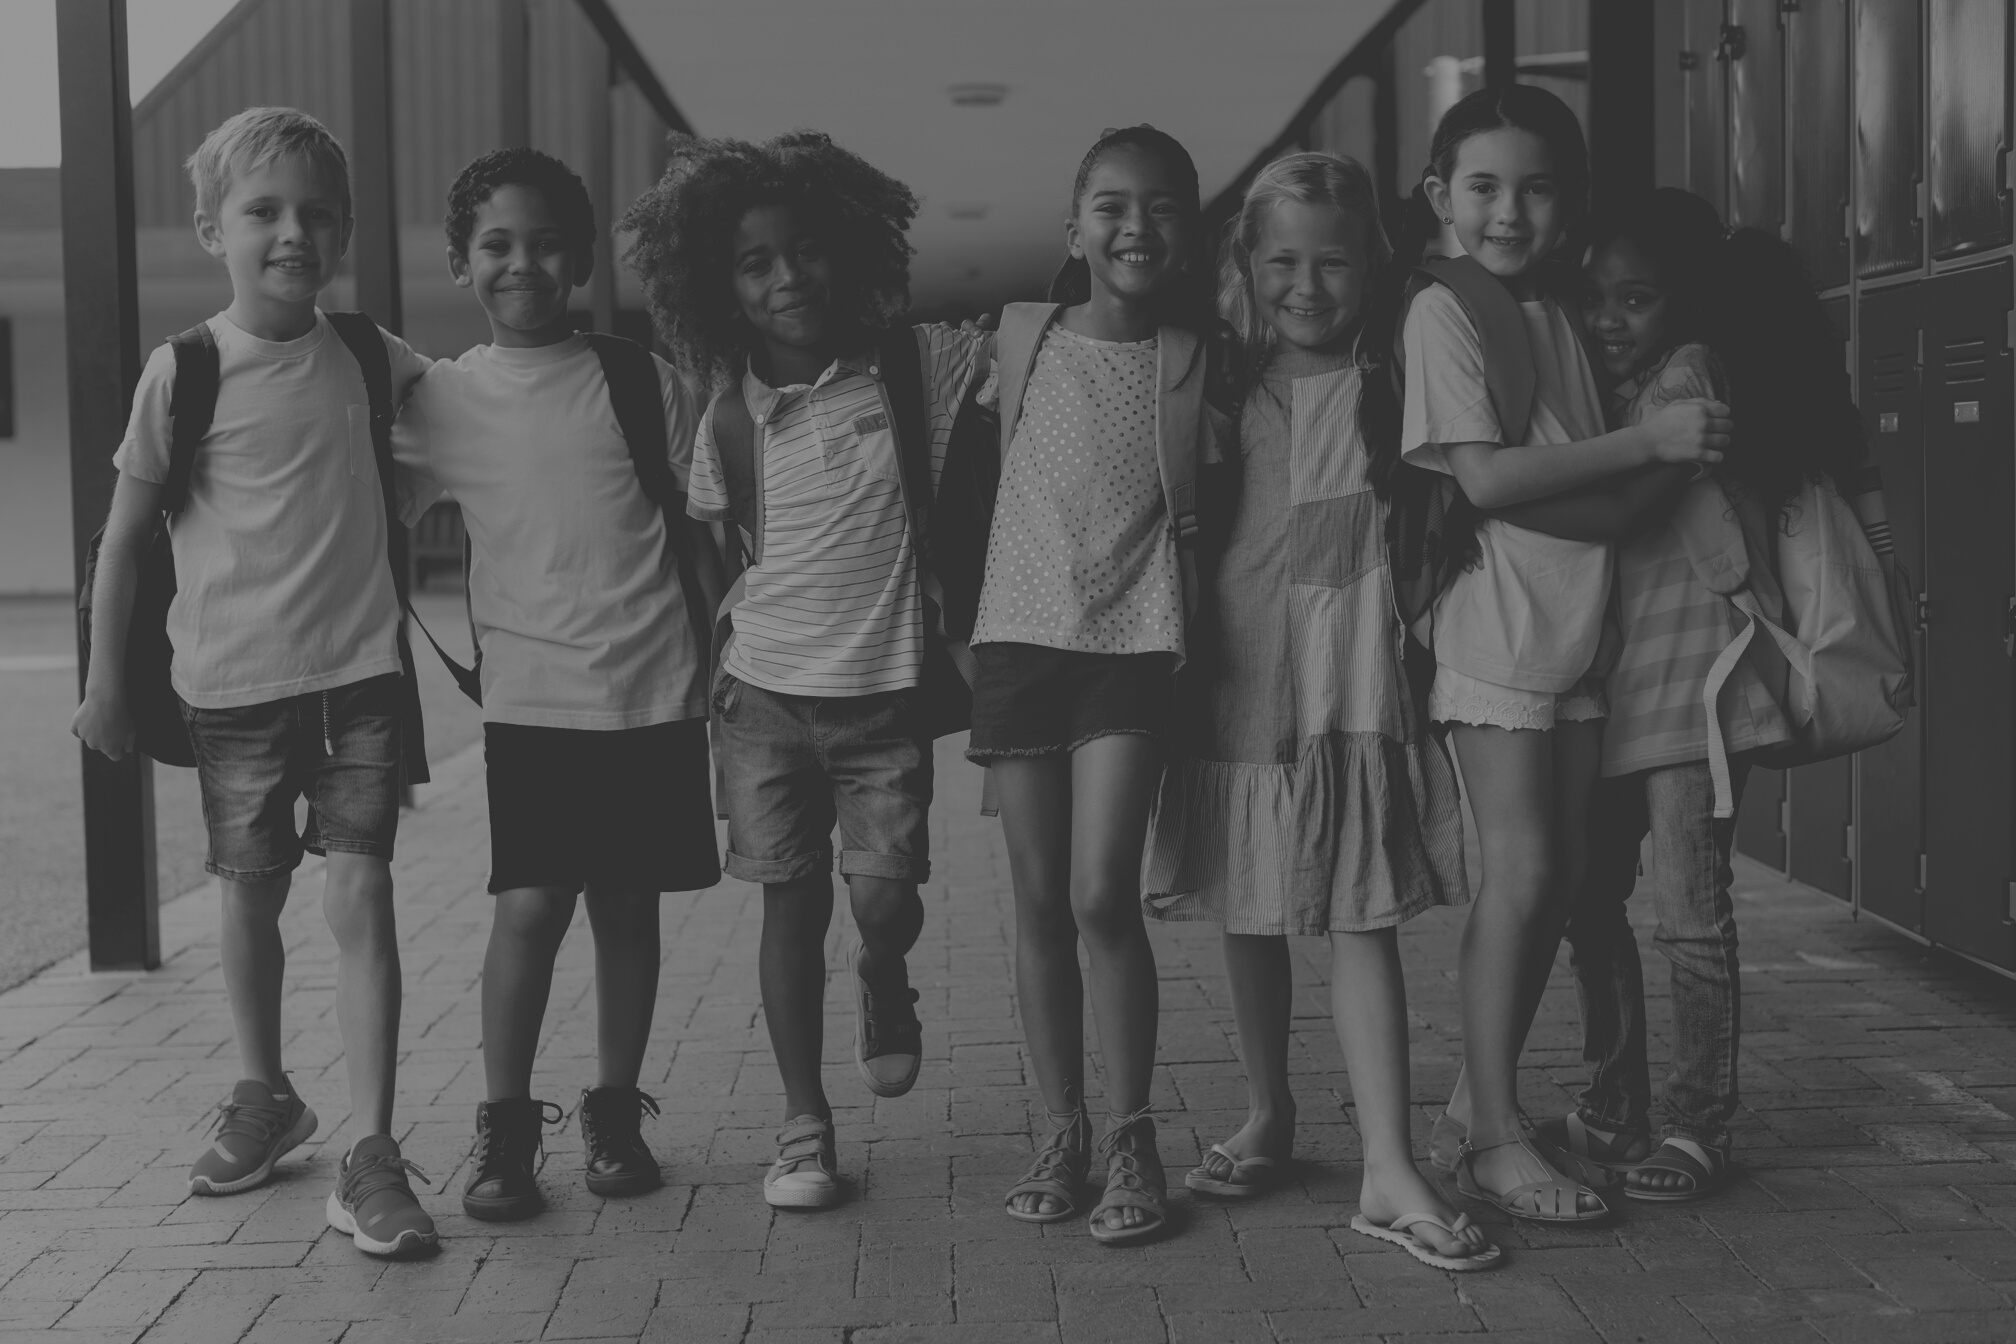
x,y
1509,941
625,925
792,967
1035,796
1368,999
525,936
888,915
1112,788
357,902
255,964
1259,974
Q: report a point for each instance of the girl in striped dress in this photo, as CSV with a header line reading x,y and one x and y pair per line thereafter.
x,y
1305,797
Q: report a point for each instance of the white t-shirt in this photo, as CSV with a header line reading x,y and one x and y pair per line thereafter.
x,y
282,585
1082,555
1530,615
574,592
833,607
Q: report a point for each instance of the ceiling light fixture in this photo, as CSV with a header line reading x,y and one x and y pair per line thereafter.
x,y
977,95
967,210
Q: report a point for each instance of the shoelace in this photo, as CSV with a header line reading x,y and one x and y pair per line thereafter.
x,y
493,1146
1060,1150
1129,1161
381,1171
592,1131
258,1123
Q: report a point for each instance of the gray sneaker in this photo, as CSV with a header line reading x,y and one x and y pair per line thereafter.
x,y
888,1040
374,1204
255,1129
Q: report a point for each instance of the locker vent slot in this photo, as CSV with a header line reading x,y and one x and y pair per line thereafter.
x,y
1966,362
1891,374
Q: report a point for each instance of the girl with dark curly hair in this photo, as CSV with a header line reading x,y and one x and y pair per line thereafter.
x,y
1090,580
774,273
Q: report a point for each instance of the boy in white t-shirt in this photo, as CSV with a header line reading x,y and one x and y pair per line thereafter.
x,y
287,657
592,660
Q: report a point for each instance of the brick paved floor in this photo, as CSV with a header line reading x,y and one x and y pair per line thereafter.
x,y
1878,1200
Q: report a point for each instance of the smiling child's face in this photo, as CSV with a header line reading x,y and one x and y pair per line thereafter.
x,y
783,280
1309,270
1131,226
521,266
1625,309
1504,197
280,231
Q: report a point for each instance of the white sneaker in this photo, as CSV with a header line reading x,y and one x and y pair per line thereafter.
x,y
802,1176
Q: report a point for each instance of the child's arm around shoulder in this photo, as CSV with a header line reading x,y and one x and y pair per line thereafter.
x,y
414,434
102,721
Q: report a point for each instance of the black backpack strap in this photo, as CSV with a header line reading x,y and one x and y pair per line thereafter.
x,y
638,397
191,407
902,378
367,345
735,449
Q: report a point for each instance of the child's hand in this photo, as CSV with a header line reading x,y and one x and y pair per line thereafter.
x,y
1694,430
103,725
974,326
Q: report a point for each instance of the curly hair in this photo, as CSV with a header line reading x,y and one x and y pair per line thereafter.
x,y
521,167
683,232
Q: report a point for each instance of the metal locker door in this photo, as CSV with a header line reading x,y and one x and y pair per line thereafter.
x,y
1816,122
1970,482
1890,779
1967,169
1755,49
1760,818
1704,86
1888,135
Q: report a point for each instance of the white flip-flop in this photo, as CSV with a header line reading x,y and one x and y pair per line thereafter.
x,y
1232,1187
1489,1257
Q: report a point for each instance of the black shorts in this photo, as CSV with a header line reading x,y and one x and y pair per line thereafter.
x,y
627,809
1029,700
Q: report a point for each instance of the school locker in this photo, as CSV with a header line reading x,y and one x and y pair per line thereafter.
x,y
1704,95
1888,237
1889,794
1968,158
1753,45
1816,132
1970,481
1760,818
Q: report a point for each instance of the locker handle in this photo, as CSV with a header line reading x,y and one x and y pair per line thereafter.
x,y
1732,44
2002,171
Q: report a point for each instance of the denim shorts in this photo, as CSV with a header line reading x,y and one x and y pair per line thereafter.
x,y
1029,700
794,766
622,809
338,748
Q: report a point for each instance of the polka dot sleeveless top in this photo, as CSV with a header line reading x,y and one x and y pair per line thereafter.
x,y
1082,555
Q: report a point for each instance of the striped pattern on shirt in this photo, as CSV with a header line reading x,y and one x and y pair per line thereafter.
x,y
833,608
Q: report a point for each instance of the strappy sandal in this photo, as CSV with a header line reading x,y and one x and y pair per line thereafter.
x,y
1598,1160
1487,1256
1228,1176
1707,1168
1134,1180
1554,1201
1445,1141
1059,1172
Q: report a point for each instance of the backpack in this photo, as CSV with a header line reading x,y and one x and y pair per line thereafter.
x,y
637,397
156,710
1844,642
949,525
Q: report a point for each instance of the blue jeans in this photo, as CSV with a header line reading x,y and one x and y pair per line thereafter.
x,y
1687,868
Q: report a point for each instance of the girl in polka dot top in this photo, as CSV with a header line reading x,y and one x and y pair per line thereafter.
x,y
1090,579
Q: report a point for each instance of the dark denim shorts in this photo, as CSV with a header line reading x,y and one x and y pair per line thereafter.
x,y
622,810
338,748
794,766
1029,700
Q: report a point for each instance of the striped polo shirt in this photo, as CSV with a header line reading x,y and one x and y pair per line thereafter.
x,y
833,607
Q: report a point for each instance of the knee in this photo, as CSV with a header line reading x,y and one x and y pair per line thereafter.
x,y
1106,914
797,911
1525,885
533,916
880,903
357,896
1045,919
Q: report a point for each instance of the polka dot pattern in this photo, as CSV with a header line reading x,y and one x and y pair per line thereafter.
x,y
1082,555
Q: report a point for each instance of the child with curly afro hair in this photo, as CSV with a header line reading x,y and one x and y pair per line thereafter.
x,y
775,273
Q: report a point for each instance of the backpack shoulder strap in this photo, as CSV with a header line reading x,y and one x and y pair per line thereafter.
x,y
1509,373
902,377
191,408
735,448
361,334
1015,349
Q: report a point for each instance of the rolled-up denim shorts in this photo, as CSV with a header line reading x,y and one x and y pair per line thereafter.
x,y
338,748
795,766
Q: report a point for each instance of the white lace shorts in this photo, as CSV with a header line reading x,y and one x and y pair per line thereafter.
x,y
1458,698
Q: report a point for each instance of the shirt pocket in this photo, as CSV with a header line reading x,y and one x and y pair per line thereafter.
x,y
865,445
363,458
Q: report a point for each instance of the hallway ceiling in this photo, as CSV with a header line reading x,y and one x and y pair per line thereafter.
x,y
995,180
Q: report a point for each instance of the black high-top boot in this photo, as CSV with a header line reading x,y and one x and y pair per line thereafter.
x,y
502,1180
619,1162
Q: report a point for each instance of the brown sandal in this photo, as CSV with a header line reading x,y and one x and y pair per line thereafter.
x,y
1134,1180
1059,1172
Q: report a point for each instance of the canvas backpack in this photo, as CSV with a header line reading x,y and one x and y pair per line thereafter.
x,y
949,525
156,710
637,397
